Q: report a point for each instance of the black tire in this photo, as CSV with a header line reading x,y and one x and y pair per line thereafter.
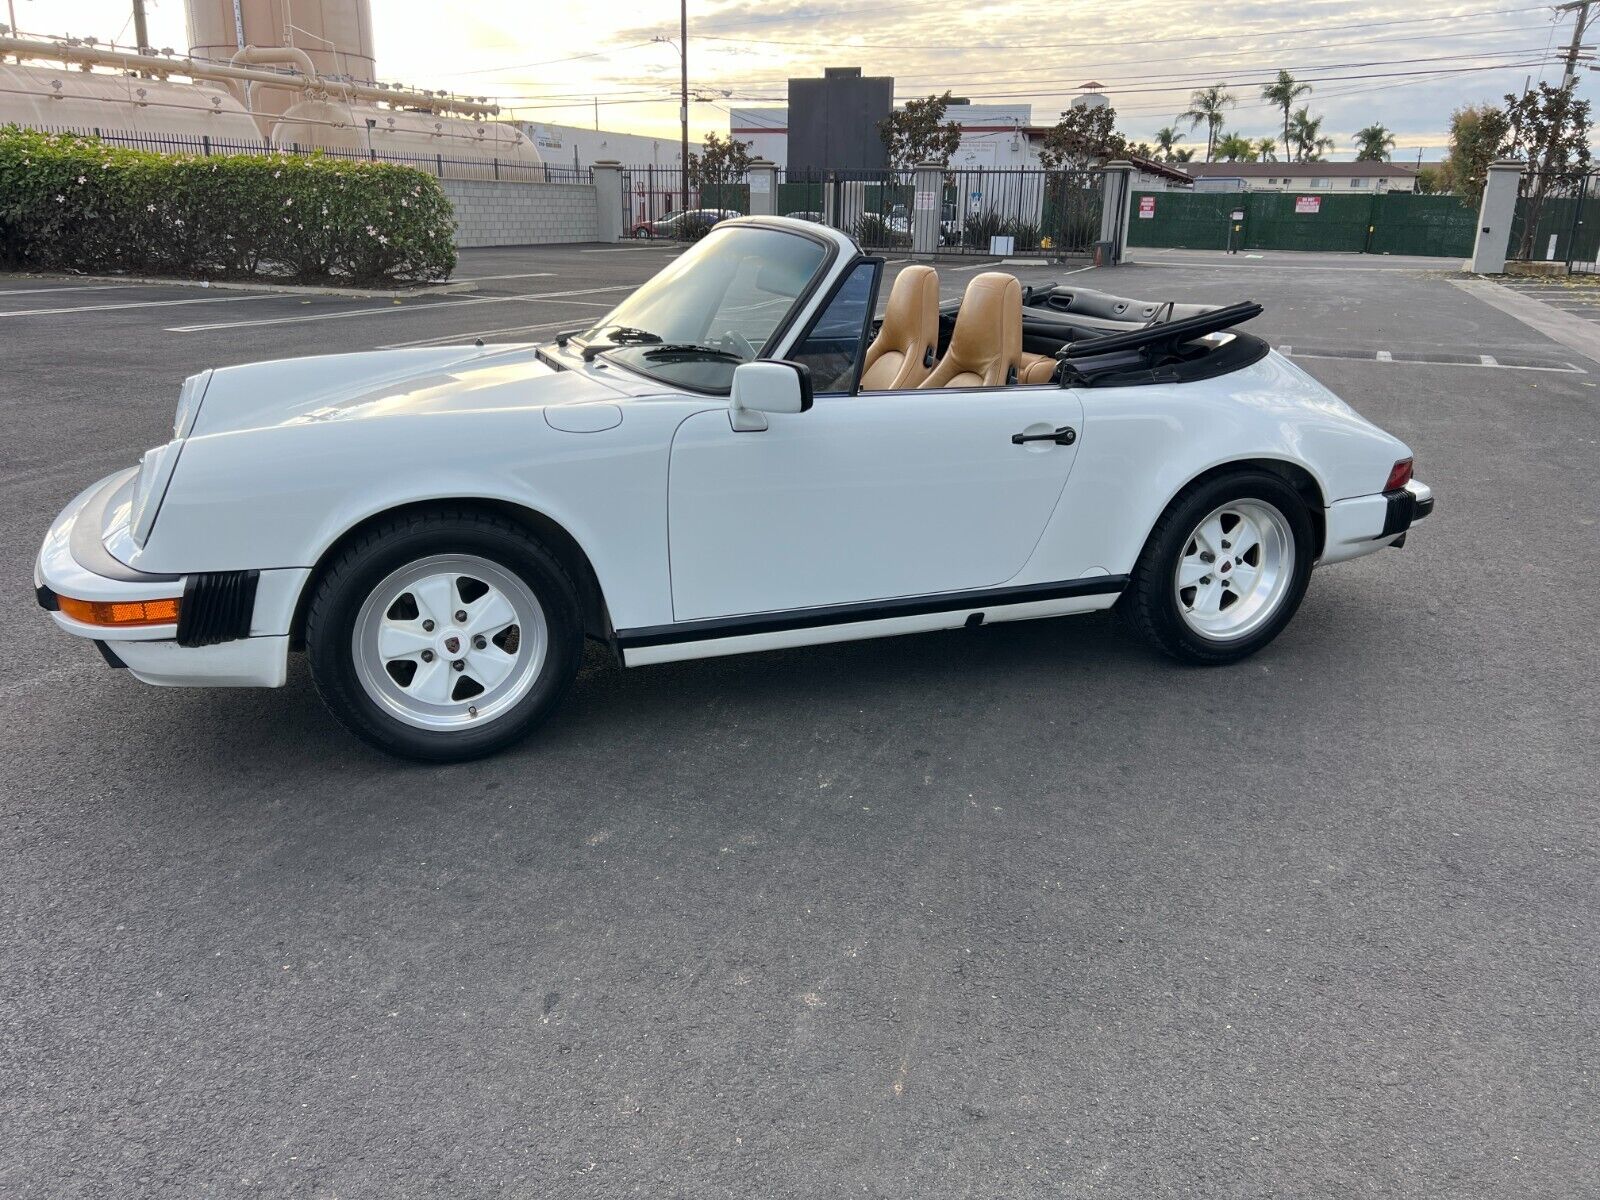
x,y
343,585
1151,600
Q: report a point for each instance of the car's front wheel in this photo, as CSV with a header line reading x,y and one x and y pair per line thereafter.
x,y
1224,569
443,636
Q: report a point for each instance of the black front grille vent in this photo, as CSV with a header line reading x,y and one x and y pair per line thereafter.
x,y
217,607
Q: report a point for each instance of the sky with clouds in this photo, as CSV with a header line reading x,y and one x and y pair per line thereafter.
x,y
1405,65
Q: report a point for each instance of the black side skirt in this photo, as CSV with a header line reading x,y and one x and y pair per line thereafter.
x,y
872,610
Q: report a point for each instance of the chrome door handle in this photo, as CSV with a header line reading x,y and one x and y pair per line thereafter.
x,y
1064,436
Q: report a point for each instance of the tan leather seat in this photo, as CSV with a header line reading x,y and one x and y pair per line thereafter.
x,y
1036,368
986,346
902,354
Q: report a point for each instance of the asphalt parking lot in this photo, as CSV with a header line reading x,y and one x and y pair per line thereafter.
x,y
1018,911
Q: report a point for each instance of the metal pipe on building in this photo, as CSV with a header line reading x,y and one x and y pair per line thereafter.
x,y
162,66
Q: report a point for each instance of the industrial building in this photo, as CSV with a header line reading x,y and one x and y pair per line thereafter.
x,y
579,147
253,79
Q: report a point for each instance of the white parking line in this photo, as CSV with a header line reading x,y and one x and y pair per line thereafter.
x,y
1485,360
466,338
71,287
631,249
60,312
396,309
487,278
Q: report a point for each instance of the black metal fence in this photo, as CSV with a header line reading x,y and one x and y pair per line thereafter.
x,y
988,212
1557,220
443,165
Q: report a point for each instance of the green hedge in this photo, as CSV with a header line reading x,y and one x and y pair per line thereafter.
x,y
75,203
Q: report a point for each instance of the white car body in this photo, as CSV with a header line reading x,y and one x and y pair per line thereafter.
x,y
868,515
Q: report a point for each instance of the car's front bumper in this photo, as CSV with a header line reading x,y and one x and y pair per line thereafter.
x,y
230,632
1366,523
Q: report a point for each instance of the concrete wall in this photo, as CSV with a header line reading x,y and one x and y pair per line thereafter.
x,y
491,213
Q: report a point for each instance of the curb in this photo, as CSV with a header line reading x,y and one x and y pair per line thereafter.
x,y
287,289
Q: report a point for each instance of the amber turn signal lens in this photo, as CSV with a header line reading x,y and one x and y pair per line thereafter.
x,y
123,613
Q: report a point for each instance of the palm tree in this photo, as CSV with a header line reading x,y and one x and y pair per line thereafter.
x,y
1208,106
1284,92
1167,139
1231,147
1266,150
1373,144
1305,135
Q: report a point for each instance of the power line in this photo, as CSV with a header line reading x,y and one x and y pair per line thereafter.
x,y
1233,36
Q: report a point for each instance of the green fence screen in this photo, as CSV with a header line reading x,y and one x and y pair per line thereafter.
x,y
1186,220
1376,223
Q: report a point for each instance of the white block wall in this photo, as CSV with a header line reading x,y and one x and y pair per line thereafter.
x,y
499,213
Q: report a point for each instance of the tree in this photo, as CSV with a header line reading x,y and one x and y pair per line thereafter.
x,y
1167,139
1373,144
1283,93
1232,147
1081,137
1479,134
1266,150
1550,128
1208,107
1305,135
723,161
1432,180
1185,155
918,133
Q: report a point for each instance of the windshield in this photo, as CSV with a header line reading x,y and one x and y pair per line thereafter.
x,y
728,293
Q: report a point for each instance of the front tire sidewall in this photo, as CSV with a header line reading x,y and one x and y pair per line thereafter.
x,y
350,580
1154,598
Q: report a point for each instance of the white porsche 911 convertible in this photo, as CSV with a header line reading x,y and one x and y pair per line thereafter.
x,y
740,456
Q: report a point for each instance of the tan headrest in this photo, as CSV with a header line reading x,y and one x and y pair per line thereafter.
x,y
900,355
986,346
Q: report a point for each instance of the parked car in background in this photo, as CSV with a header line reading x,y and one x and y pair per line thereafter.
x,y
805,216
739,457
685,224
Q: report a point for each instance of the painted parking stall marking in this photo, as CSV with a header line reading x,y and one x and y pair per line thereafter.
x,y
399,309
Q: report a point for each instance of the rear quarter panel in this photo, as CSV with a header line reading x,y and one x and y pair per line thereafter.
x,y
1141,445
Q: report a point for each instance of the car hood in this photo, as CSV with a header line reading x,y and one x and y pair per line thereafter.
x,y
383,383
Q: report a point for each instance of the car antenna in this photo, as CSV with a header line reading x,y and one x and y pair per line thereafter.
x,y
478,342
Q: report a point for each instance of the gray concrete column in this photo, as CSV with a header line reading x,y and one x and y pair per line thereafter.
x,y
1116,207
1495,212
609,207
927,203
763,177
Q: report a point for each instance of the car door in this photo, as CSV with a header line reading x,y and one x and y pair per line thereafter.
x,y
866,496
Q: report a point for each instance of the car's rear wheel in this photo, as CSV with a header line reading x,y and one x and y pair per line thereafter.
x,y
1224,569
642,234
444,636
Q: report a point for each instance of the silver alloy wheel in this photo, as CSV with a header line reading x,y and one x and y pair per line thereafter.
x,y
449,642
1235,569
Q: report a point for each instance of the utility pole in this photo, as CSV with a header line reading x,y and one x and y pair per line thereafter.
x,y
1582,6
683,99
141,35
683,90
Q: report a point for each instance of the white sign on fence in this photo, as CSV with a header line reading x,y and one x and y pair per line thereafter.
x,y
927,201
760,183
1308,204
1147,208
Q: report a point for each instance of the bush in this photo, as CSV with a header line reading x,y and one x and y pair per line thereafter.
x,y
75,203
871,229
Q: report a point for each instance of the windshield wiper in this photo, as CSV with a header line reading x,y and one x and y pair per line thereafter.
x,y
619,335
690,350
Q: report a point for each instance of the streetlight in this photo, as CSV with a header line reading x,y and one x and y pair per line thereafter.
x,y
682,47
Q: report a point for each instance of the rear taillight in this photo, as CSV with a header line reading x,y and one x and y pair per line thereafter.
x,y
1399,475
